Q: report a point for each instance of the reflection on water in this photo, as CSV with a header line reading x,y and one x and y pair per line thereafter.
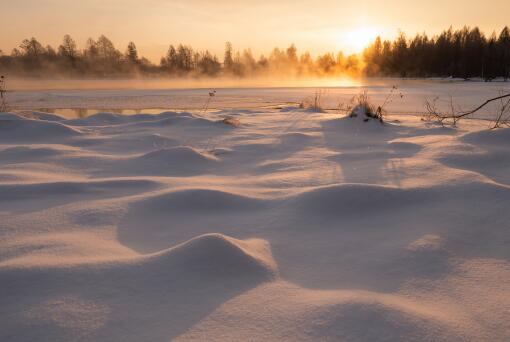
x,y
72,113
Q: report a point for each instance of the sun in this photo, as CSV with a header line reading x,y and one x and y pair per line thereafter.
x,y
358,39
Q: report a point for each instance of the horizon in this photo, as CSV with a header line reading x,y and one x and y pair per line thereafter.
x,y
361,35
333,26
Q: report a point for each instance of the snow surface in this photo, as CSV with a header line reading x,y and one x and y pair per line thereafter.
x,y
292,226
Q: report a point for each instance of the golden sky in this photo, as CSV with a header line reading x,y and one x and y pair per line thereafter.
x,y
314,25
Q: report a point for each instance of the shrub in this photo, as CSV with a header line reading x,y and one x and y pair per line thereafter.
x,y
361,106
365,109
314,103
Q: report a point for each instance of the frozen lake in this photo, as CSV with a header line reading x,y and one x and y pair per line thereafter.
x,y
74,99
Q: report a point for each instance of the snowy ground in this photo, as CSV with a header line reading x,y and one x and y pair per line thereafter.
x,y
291,226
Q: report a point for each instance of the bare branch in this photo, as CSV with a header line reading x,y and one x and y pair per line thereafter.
x,y
455,115
481,106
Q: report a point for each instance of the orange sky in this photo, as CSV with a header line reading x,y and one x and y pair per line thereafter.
x,y
318,26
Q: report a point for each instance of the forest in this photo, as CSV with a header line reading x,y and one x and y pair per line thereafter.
x,y
463,53
101,59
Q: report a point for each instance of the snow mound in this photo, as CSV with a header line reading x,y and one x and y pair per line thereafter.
x,y
34,131
185,120
186,283
58,189
21,153
170,114
373,319
199,200
182,160
405,149
106,118
43,116
180,154
350,132
339,315
429,242
289,109
353,199
177,214
11,116
425,257
135,143
99,119
296,138
497,137
219,255
488,153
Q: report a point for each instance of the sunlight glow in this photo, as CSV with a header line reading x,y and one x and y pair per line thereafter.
x,y
359,38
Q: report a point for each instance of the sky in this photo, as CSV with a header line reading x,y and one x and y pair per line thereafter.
x,y
315,25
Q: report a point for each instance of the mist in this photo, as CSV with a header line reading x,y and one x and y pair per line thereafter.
x,y
100,59
22,84
464,53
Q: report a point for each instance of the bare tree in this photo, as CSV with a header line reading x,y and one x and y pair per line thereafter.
x,y
68,48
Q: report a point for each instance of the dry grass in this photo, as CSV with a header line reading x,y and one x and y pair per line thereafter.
x,y
361,105
364,107
314,103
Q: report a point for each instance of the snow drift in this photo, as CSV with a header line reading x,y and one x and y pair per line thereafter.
x,y
293,225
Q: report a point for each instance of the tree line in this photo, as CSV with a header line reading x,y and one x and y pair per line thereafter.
x,y
100,58
463,53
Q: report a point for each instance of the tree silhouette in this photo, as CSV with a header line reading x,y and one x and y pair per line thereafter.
x,y
132,53
464,53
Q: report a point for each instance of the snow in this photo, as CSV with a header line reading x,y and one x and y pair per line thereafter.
x,y
292,225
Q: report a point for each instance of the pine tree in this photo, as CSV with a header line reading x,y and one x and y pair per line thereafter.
x,y
132,53
504,53
228,60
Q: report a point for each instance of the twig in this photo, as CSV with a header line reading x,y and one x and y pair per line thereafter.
x,y
456,116
504,108
481,106
209,99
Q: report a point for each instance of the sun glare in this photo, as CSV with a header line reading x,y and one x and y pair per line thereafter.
x,y
357,39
